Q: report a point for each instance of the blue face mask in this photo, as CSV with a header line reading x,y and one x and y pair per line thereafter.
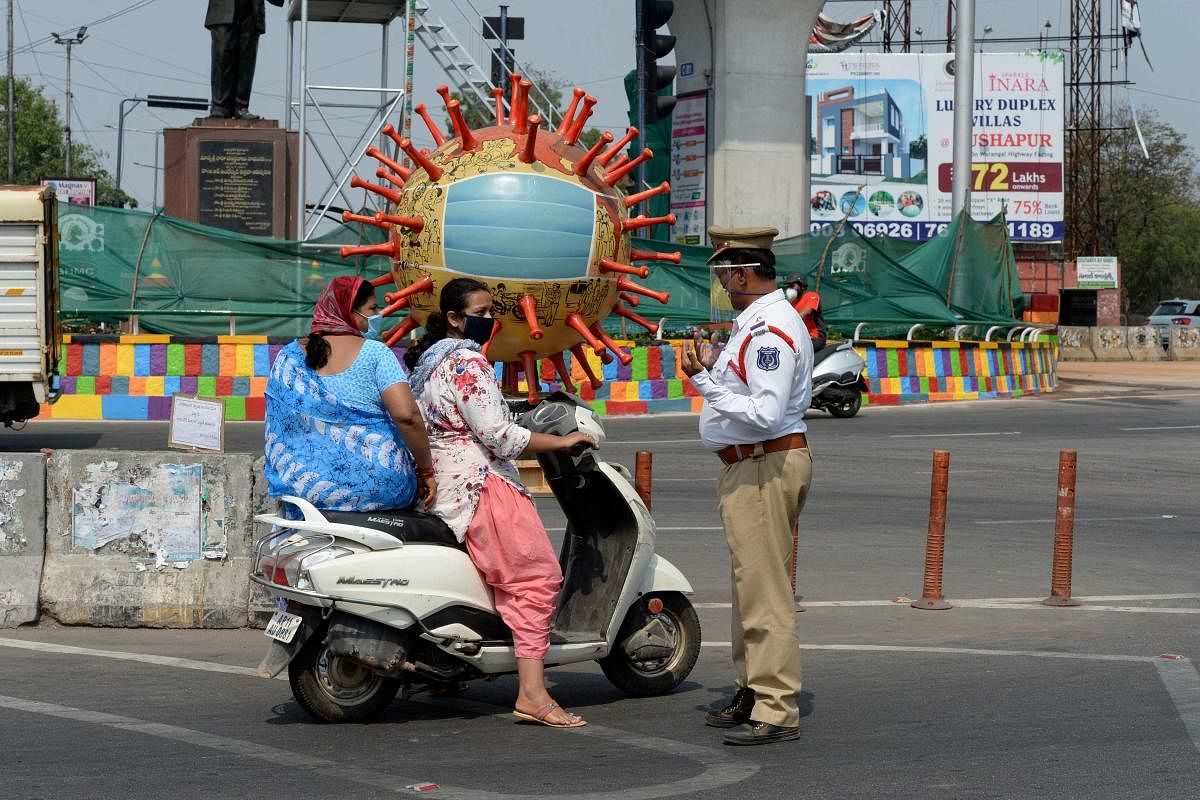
x,y
374,326
477,329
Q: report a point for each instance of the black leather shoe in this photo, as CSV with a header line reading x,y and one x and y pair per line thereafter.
x,y
734,714
244,113
761,733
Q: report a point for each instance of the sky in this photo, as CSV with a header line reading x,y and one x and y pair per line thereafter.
x,y
161,47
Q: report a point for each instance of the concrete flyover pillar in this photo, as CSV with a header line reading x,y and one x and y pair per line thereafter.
x,y
751,56
148,539
22,535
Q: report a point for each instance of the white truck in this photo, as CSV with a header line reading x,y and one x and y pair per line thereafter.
x,y
30,327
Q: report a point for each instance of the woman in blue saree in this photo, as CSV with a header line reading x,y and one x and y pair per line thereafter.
x,y
342,429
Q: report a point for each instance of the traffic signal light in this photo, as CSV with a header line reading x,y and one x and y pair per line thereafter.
x,y
653,14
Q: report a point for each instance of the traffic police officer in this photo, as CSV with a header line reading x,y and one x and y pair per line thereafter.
x,y
755,394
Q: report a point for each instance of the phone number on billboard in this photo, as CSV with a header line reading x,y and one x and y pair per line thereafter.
x,y
1019,231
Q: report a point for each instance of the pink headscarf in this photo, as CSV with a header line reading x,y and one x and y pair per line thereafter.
x,y
334,312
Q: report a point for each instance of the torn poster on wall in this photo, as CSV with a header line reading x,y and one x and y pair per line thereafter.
x,y
161,515
12,540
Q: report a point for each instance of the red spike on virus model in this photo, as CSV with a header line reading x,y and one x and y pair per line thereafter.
x,y
530,212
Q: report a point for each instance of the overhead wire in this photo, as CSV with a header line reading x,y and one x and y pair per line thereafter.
x,y
32,43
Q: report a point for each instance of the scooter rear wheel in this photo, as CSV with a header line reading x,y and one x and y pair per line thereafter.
x,y
655,676
336,689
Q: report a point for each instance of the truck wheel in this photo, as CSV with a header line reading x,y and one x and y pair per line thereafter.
x,y
336,689
847,406
647,677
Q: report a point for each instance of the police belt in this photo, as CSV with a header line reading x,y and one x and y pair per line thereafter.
x,y
738,452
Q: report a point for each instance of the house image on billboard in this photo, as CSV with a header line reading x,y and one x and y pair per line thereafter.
x,y
860,135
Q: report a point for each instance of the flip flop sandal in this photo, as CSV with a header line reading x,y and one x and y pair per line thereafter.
x,y
540,717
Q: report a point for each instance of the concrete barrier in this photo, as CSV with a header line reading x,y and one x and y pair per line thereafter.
x,y
22,535
1185,343
1110,343
1145,343
259,605
147,539
1075,344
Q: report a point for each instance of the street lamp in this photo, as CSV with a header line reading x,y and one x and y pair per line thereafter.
x,y
151,101
155,166
69,42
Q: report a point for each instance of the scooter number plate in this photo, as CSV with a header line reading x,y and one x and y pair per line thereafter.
x,y
283,626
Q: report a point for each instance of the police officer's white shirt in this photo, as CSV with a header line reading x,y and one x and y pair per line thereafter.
x,y
778,388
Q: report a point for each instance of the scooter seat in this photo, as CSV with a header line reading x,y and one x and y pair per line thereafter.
x,y
824,353
405,524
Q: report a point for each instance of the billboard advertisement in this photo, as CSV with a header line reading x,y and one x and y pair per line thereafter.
x,y
881,142
81,191
689,168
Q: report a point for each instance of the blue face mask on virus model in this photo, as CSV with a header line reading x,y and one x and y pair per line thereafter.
x,y
477,329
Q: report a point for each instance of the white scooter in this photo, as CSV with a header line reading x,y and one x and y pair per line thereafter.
x,y
372,602
839,380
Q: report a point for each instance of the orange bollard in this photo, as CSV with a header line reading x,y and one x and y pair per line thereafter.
x,y
1064,533
643,467
935,545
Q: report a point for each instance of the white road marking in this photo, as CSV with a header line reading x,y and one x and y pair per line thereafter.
x,y
1183,685
965,651
943,435
1087,398
148,658
664,528
653,441
720,769
1163,428
1016,603
1050,520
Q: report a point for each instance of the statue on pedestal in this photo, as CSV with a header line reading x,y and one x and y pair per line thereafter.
x,y
235,26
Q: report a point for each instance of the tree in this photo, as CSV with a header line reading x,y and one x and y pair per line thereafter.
x,y
918,147
1149,209
40,151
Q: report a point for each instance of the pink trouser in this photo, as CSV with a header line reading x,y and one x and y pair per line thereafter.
x,y
510,547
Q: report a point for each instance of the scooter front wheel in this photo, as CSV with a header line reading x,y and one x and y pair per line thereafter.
x,y
653,653
336,689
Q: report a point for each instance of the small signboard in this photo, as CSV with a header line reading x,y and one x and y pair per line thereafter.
x,y
197,424
1097,272
80,191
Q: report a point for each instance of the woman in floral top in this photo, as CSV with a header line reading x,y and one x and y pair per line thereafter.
x,y
480,496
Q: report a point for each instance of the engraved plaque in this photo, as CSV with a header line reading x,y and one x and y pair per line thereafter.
x,y
235,186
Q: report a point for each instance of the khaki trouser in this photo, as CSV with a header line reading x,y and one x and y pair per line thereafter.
x,y
760,501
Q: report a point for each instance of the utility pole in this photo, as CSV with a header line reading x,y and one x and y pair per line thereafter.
x,y
12,136
964,104
69,42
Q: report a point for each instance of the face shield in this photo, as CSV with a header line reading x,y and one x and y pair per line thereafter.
x,y
720,276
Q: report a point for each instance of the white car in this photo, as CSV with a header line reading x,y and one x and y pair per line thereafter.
x,y
1174,312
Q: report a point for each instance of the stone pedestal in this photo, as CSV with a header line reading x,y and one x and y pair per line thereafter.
x,y
233,174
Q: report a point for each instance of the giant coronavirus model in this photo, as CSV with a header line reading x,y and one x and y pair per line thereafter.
x,y
528,211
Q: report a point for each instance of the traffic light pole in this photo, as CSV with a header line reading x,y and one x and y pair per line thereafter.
x,y
639,40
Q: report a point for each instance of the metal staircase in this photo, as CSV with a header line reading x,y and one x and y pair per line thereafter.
x,y
468,77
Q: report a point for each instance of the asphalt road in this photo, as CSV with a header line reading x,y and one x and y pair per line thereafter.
x,y
999,697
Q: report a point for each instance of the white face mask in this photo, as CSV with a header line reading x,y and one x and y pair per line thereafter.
x,y
791,294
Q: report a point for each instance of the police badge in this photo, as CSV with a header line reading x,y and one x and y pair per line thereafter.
x,y
768,358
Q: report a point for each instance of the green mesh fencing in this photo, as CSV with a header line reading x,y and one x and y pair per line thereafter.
x,y
267,285
190,278
966,276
